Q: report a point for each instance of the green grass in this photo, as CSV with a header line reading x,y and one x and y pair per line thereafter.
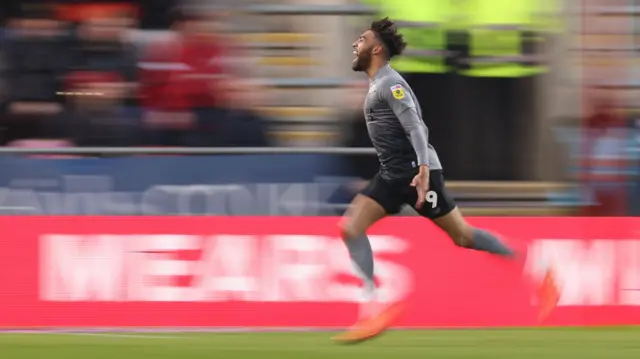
x,y
604,343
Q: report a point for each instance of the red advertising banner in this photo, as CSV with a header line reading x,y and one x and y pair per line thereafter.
x,y
295,272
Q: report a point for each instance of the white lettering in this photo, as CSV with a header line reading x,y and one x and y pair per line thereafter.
x,y
20,201
396,282
151,201
183,268
157,266
53,200
585,271
94,195
78,268
240,199
119,202
224,270
300,268
213,195
629,252
293,200
341,265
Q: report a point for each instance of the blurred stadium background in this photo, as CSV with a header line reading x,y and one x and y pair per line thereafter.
x,y
533,107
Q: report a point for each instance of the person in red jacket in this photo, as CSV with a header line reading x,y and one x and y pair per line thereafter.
x,y
178,77
604,162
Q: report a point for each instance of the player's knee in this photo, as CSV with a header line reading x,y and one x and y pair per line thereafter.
x,y
461,237
461,241
348,232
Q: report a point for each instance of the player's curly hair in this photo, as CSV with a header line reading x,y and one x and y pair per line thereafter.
x,y
387,33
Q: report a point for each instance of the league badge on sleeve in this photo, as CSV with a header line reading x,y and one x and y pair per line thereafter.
x,y
398,92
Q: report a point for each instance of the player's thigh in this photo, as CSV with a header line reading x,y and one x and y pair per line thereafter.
x,y
456,227
363,212
373,203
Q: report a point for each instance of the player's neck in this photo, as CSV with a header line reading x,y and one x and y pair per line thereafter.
x,y
374,68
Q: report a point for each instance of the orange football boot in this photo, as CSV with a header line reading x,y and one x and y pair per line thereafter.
x,y
372,327
548,295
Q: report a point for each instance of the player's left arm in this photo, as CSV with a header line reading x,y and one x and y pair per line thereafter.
x,y
404,108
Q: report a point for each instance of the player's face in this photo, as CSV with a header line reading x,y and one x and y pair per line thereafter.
x,y
363,50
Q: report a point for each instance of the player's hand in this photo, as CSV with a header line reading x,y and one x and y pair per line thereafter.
x,y
421,183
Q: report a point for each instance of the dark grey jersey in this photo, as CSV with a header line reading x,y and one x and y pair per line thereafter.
x,y
396,129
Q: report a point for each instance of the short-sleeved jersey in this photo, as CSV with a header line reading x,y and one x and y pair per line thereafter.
x,y
389,96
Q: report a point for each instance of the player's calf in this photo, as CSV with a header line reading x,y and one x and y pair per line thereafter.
x,y
361,215
361,254
482,240
467,236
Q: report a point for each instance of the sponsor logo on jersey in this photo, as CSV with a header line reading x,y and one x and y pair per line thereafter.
x,y
398,92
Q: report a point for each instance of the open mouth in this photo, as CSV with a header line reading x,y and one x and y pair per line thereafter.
x,y
355,55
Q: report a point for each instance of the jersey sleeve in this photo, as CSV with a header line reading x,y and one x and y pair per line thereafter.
x,y
395,94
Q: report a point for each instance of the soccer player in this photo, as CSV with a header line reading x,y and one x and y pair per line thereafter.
x,y
410,171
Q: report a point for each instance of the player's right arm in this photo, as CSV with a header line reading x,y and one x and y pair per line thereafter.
x,y
403,107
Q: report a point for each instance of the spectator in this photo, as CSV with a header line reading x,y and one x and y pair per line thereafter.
x,y
103,79
604,158
101,49
34,72
178,78
98,117
237,124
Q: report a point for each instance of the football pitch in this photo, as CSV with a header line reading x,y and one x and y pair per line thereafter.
x,y
578,343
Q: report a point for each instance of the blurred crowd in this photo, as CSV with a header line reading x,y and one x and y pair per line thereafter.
x,y
83,84
70,79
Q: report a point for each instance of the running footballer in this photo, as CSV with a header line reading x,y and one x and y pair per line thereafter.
x,y
410,172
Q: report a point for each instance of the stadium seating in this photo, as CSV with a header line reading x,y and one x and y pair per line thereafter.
x,y
292,58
